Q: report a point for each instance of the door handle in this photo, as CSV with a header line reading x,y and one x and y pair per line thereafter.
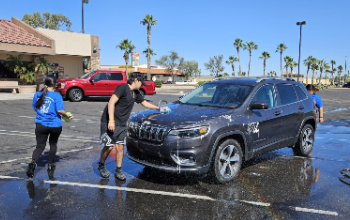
x,y
277,113
106,84
301,107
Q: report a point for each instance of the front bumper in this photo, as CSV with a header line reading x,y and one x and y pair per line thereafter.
x,y
163,156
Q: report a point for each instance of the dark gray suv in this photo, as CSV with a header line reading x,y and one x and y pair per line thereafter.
x,y
222,123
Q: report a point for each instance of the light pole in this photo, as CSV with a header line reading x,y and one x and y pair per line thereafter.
x,y
300,24
82,14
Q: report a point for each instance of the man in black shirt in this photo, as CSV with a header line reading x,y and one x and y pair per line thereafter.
x,y
114,118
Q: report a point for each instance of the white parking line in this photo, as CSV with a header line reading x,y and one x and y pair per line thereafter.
x,y
60,152
25,117
164,193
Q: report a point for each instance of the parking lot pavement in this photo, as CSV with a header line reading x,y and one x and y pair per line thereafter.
x,y
275,185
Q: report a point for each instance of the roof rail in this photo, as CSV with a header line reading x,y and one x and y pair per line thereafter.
x,y
275,78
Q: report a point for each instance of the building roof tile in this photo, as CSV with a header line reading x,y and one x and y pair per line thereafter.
x,y
12,34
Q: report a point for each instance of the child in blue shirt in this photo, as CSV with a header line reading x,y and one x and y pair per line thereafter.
x,y
317,100
49,107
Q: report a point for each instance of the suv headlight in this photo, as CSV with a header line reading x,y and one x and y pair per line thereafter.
x,y
190,132
63,85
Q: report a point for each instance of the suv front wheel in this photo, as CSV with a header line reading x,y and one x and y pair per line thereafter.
x,y
75,95
305,141
228,161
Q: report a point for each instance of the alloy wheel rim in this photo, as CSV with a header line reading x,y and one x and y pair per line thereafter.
x,y
76,95
229,161
307,140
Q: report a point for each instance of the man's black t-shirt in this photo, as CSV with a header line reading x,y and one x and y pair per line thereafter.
x,y
123,107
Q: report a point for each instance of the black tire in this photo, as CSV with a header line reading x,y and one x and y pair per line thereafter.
x,y
142,92
305,142
75,95
227,165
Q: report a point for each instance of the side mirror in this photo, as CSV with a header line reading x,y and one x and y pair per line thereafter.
x,y
92,79
259,105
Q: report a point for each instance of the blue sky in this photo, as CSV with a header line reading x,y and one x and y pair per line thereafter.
x,y
199,29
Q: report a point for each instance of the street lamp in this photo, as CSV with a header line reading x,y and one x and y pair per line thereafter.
x,y
300,24
82,13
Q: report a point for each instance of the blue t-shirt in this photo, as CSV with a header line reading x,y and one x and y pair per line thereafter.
x,y
318,101
47,114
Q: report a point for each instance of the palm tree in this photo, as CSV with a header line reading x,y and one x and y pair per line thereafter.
x,y
314,66
151,52
292,64
41,68
148,20
238,44
272,73
265,55
340,70
250,46
308,63
126,45
333,70
287,60
323,66
231,60
280,48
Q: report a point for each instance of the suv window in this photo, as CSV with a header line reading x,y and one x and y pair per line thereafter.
x,y
266,94
100,76
300,93
286,94
116,76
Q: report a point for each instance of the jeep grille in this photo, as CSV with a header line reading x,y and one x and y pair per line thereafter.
x,y
147,132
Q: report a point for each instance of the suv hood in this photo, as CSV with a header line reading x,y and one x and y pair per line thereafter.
x,y
181,114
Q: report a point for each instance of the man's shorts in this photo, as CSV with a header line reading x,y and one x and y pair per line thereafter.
x,y
109,138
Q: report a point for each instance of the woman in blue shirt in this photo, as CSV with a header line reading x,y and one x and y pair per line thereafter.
x,y
317,100
49,107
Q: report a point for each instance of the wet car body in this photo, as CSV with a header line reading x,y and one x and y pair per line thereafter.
x,y
150,141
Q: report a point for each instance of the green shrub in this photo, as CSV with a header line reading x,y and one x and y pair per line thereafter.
x,y
201,83
158,83
123,66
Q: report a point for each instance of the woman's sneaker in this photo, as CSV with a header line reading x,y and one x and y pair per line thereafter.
x,y
120,175
31,169
103,171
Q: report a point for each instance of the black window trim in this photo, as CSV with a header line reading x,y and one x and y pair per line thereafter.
x,y
306,96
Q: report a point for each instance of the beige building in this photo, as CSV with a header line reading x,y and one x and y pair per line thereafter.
x,y
64,50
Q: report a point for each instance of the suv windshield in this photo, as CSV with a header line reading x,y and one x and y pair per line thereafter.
x,y
218,95
86,75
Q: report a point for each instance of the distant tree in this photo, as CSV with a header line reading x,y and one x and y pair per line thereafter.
x,y
231,60
265,55
333,70
149,21
48,21
250,46
323,67
238,44
190,69
171,62
151,52
243,73
340,71
314,66
308,63
288,60
215,65
280,48
225,74
126,45
272,73
233,74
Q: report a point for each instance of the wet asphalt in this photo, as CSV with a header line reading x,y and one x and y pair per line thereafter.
x,y
275,185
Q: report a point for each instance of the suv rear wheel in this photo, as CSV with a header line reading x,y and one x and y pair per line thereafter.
x,y
75,95
228,161
305,142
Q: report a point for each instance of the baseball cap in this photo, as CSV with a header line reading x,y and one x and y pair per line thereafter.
x,y
139,76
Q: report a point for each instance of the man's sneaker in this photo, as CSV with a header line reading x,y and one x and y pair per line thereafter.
x,y
31,168
51,167
103,171
120,175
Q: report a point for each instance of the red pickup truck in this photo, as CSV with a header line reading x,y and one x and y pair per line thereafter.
x,y
97,83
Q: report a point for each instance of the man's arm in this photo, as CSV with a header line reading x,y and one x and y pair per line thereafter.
x,y
111,107
149,105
